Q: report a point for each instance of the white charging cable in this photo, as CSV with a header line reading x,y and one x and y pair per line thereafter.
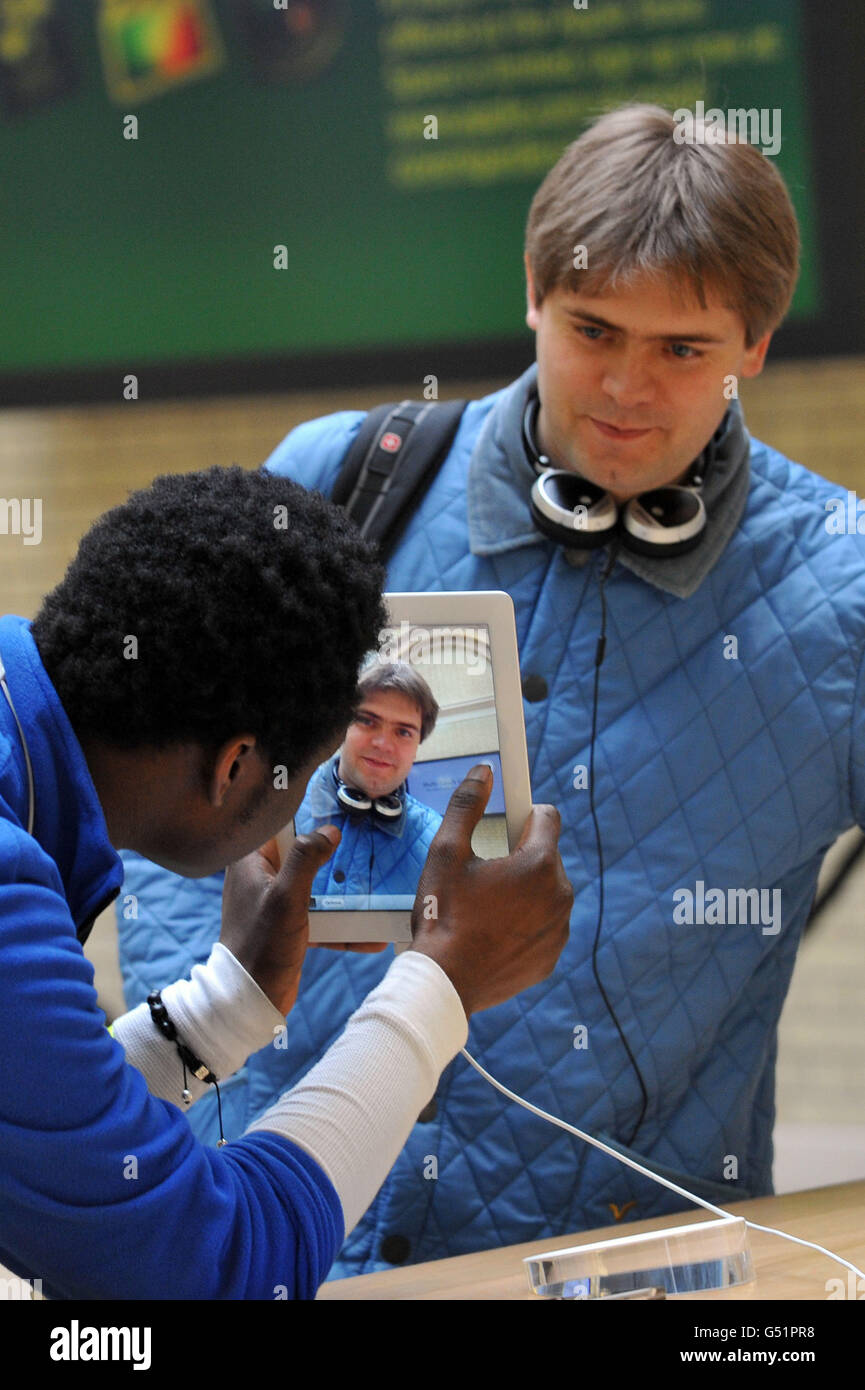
x,y
647,1172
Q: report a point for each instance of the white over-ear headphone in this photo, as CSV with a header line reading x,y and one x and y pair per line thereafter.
x,y
31,790
389,807
581,516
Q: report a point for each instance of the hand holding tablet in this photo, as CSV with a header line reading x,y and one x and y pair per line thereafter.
x,y
500,925
442,882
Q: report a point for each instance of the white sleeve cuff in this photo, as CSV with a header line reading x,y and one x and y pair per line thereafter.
x,y
354,1110
220,1014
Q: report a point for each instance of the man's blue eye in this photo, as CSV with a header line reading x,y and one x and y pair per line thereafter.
x,y
687,351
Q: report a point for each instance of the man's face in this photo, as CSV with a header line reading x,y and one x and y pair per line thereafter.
x,y
632,384
381,743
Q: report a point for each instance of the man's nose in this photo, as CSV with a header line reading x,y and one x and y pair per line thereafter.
x,y
629,382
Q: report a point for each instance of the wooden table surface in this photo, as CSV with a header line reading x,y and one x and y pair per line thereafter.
x,y
832,1216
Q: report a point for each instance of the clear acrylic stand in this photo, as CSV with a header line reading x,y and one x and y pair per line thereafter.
x,y
709,1255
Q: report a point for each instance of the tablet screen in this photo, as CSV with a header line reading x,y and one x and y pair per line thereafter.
x,y
425,715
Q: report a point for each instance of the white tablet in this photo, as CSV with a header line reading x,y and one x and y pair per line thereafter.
x,y
441,693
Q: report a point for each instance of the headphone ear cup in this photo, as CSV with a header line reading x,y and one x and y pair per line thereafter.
x,y
389,807
352,799
572,511
665,521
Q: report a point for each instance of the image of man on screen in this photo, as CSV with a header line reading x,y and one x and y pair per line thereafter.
x,y
362,790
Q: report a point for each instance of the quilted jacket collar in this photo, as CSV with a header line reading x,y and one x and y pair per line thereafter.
x,y
322,802
501,477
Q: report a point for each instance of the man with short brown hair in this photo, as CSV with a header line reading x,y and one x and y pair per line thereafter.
x,y
691,642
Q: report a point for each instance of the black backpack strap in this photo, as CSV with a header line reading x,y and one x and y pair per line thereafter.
x,y
392,461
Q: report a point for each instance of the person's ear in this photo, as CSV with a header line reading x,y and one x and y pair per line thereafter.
x,y
531,306
752,362
234,766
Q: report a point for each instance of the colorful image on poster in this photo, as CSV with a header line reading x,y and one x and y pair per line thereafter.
x,y
151,46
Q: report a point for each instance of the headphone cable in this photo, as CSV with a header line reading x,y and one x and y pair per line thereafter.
x,y
599,657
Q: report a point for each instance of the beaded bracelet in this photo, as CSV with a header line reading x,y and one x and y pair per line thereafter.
x,y
159,1014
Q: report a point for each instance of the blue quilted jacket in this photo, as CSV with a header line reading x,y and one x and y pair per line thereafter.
x,y
730,754
374,856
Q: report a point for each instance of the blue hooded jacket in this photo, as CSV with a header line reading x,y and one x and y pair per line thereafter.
x,y
730,754
104,1191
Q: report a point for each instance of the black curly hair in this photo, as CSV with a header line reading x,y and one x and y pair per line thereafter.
x,y
251,601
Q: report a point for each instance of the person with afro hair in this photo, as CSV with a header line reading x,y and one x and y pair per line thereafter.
x,y
182,622
173,696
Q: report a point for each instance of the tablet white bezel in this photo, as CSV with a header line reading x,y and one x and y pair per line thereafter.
x,y
494,610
